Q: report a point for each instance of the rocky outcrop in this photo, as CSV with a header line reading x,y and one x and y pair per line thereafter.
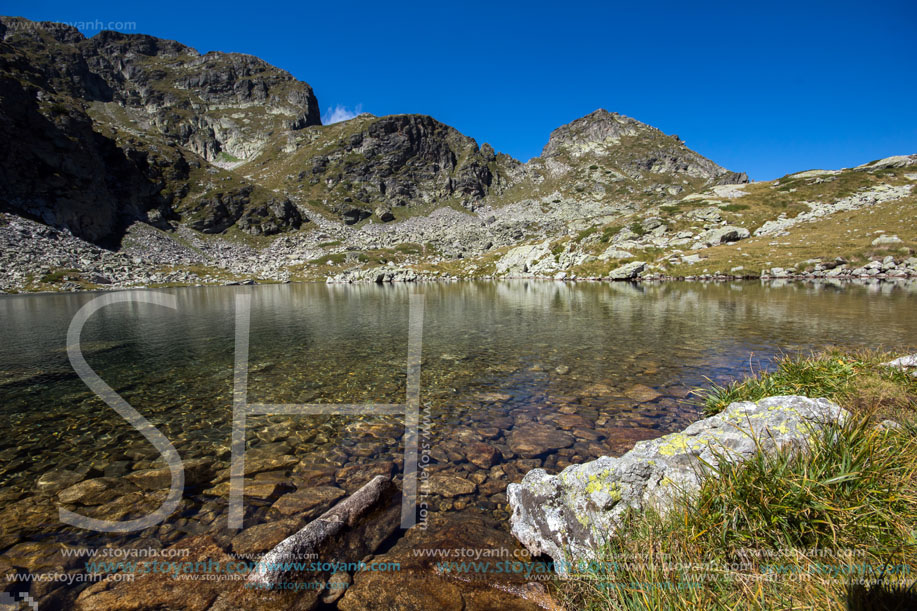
x,y
568,516
720,235
55,168
373,164
218,212
379,275
522,259
866,197
210,104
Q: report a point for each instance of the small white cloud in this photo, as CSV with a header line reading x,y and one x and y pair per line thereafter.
x,y
340,113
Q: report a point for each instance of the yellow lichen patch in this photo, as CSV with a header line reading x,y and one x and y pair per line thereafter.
x,y
674,443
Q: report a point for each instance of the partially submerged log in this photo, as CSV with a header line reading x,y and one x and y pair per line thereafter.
x,y
316,537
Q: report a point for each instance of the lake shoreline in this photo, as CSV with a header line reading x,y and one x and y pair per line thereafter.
x,y
874,280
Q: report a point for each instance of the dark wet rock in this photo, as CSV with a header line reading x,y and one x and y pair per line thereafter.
x,y
256,464
401,591
35,556
278,477
619,439
306,475
58,479
493,485
642,393
571,421
481,454
307,500
597,390
262,537
450,486
353,476
95,491
532,440
255,489
494,397
197,472
158,590
418,585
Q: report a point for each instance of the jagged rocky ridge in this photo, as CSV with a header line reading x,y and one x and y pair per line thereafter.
x,y
200,168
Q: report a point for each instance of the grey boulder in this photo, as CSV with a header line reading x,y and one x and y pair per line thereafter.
x,y
722,235
569,516
627,272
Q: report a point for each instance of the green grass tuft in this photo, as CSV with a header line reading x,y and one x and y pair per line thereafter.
x,y
854,380
746,540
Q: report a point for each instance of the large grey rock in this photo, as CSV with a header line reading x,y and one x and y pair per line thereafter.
x,y
627,272
379,275
722,235
613,252
710,214
886,240
568,516
522,259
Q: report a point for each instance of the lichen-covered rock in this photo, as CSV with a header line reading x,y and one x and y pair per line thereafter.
x,y
567,516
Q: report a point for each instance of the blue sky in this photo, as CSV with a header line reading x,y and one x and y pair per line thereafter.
x,y
768,89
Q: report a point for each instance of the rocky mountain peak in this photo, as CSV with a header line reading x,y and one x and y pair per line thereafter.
x,y
598,128
629,147
376,165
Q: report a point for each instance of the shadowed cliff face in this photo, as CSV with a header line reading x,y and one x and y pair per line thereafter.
x,y
55,168
105,131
